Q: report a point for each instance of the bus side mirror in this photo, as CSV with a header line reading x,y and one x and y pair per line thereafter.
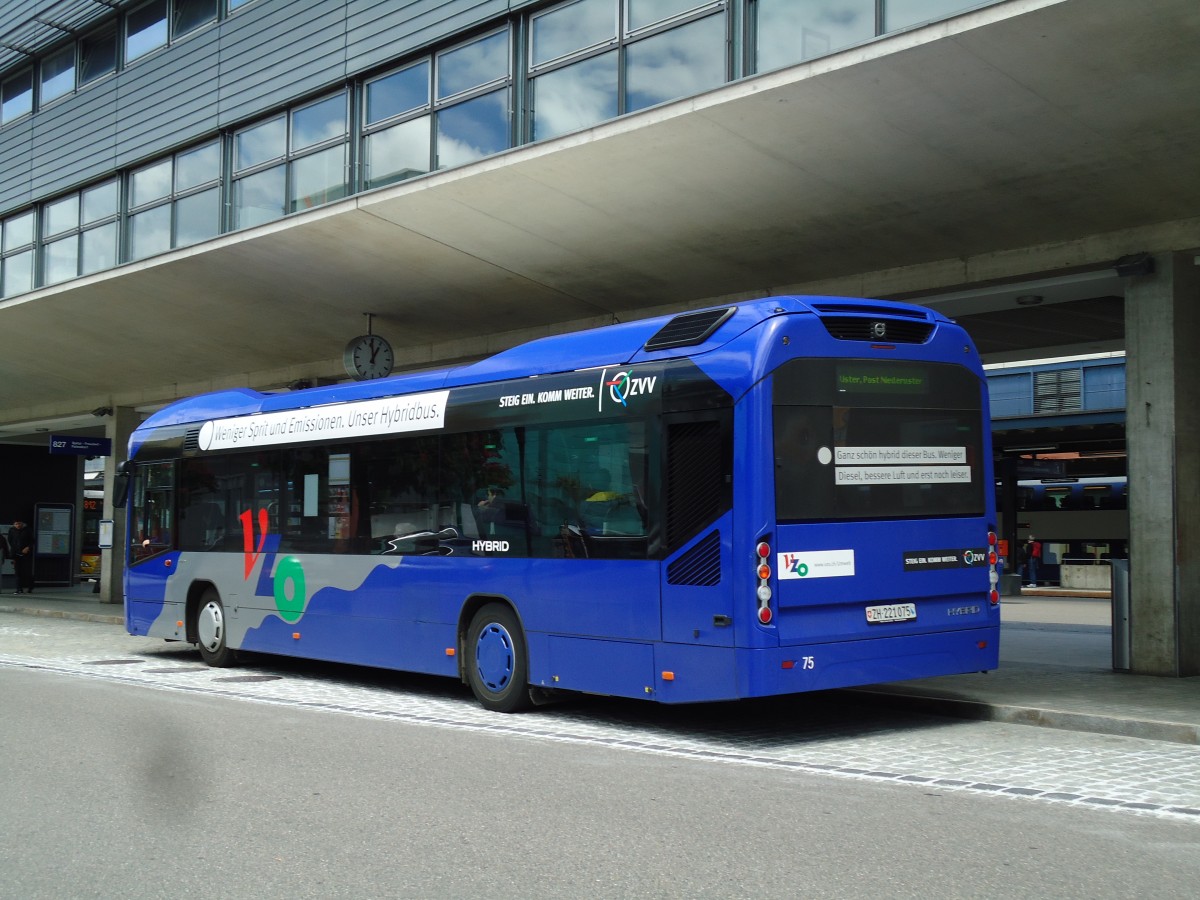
x,y
124,473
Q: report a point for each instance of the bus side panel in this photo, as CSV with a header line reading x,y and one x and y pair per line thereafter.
x,y
614,668
616,599
385,643
696,674
370,613
697,600
146,588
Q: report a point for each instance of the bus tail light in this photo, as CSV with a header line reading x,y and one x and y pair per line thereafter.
x,y
762,553
993,571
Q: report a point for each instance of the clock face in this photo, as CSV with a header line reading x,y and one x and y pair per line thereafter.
x,y
368,356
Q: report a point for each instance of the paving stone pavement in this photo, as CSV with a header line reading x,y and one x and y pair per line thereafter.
x,y
828,734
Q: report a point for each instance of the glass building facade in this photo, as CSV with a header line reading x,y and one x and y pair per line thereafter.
x,y
540,72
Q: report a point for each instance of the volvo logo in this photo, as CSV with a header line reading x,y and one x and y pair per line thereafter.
x,y
879,329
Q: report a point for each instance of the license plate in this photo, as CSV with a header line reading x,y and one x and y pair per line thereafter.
x,y
895,612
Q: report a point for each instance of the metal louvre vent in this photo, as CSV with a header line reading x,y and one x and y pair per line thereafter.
x,y
1060,391
688,329
694,479
191,440
892,331
700,566
866,309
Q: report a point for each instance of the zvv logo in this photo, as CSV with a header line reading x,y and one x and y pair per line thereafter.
x,y
624,385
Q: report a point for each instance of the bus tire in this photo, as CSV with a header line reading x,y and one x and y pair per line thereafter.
x,y
497,660
211,631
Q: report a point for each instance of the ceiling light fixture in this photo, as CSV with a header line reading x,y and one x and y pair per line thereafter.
x,y
1029,299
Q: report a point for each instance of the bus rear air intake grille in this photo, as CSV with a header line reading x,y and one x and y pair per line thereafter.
x,y
689,329
191,440
700,566
889,331
867,309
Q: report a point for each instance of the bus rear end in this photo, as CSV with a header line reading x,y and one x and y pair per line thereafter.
x,y
881,564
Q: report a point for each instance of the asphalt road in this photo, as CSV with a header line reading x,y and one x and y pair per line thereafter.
x,y
113,791
127,769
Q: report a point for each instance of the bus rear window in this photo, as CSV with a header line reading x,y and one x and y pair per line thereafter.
x,y
859,440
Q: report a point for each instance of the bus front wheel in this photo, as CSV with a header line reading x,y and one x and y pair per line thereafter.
x,y
210,631
497,660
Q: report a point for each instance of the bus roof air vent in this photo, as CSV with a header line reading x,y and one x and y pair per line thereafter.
x,y
191,440
689,329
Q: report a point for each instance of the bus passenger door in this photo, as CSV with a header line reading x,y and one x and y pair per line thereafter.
x,y
697,596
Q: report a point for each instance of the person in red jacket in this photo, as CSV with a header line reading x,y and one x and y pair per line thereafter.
x,y
1033,559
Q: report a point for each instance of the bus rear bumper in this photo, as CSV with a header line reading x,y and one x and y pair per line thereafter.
x,y
696,674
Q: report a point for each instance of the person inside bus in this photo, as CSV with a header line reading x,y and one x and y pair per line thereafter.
x,y
611,512
20,544
489,509
154,539
598,500
602,491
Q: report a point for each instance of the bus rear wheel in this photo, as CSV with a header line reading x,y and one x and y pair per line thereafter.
x,y
211,631
497,660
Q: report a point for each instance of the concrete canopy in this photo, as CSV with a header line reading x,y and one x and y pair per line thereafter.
x,y
1026,123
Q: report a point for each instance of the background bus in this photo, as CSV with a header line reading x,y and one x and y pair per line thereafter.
x,y
778,496
89,550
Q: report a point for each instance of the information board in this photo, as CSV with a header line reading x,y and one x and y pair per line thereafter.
x,y
53,542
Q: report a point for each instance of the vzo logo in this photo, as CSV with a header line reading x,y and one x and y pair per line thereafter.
x,y
287,586
794,565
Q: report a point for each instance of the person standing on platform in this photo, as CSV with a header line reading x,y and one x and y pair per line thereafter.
x,y
20,545
1033,559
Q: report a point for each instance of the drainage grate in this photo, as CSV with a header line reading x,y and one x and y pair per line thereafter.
x,y
115,662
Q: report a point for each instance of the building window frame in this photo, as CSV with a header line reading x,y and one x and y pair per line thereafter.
x,y
18,251
16,95
81,228
614,50
166,209
446,96
276,172
50,87
99,55
154,33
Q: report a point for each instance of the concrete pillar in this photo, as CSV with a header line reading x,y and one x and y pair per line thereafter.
x,y
112,562
1162,322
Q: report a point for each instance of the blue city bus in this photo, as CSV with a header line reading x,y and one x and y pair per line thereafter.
x,y
777,496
